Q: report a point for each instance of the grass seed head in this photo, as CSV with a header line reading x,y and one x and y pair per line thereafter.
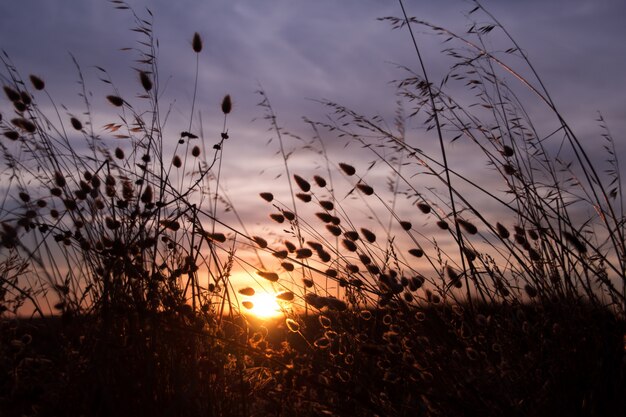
x,y
304,197
321,182
270,276
115,100
260,241
365,189
327,205
347,169
37,82
11,94
278,218
502,231
227,104
196,43
76,124
146,82
248,291
302,183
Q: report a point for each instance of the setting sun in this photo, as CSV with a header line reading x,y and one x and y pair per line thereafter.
x,y
264,305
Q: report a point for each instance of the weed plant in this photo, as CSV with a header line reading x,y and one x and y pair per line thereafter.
x,y
436,293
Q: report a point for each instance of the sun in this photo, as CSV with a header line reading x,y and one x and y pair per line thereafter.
x,y
265,306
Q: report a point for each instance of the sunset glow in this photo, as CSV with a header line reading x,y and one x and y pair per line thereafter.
x,y
264,305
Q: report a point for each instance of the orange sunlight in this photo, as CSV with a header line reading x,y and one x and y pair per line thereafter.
x,y
263,305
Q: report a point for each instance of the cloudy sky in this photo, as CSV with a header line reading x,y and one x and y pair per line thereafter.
x,y
302,51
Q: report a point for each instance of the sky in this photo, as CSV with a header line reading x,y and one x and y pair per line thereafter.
x,y
300,52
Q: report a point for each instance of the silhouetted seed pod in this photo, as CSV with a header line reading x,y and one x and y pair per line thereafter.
x,y
574,241
260,241
37,82
287,266
290,246
424,207
302,183
285,296
348,169
279,218
281,254
196,43
418,253
349,245
26,99
308,283
443,225
325,217
365,260
19,106
248,304
323,255
365,189
12,134
289,215
11,94
267,196
530,291
59,179
507,151
227,104
146,82
304,197
218,237
452,274
406,225
469,254
467,226
353,269
502,231
303,253
25,197
352,235
315,245
368,235
248,291
119,153
177,161
321,182
76,124
327,205
331,273
24,124
373,269
508,169
69,204
147,196
534,255
195,152
533,235
334,230
270,276
116,101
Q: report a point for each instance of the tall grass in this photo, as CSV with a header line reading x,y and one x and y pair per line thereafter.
x,y
437,293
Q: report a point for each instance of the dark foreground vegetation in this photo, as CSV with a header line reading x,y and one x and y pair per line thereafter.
x,y
508,299
525,360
